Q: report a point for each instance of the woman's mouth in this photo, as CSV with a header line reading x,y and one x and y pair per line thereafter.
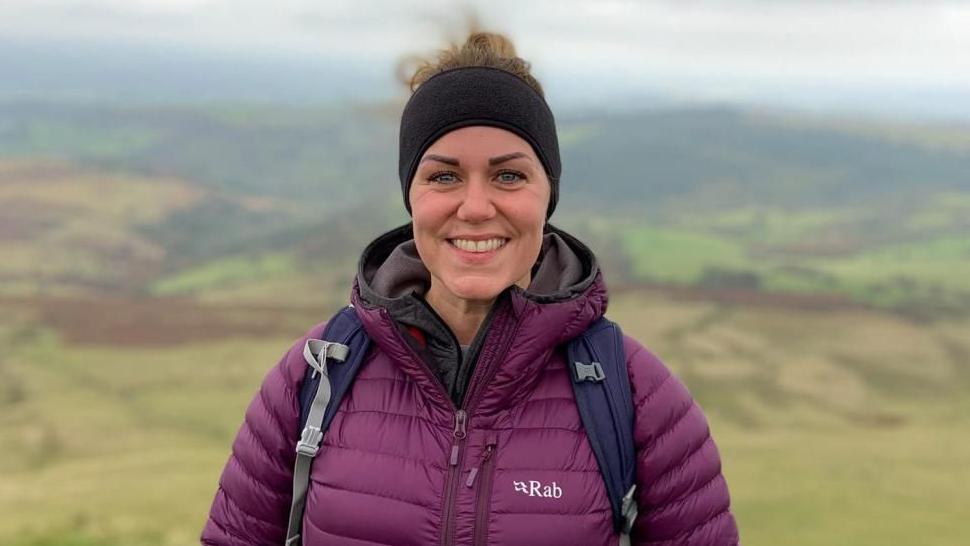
x,y
486,245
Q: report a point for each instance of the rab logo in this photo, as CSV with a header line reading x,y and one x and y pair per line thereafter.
x,y
536,489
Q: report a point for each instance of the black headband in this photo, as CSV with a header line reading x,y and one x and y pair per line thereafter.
x,y
477,95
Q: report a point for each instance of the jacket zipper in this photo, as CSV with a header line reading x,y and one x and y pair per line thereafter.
x,y
484,501
478,378
460,431
482,371
454,463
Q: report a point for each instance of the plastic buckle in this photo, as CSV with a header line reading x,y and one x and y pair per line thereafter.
x,y
589,372
629,508
309,443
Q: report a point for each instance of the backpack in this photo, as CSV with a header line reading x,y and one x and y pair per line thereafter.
x,y
600,383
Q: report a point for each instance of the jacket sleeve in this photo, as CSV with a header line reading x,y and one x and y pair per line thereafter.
x,y
252,504
681,494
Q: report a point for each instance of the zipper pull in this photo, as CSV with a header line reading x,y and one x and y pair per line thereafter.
x,y
490,443
460,418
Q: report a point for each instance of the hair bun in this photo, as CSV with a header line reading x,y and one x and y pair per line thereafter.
x,y
481,48
490,43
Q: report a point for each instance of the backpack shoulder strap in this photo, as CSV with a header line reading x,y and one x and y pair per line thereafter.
x,y
344,328
333,362
601,385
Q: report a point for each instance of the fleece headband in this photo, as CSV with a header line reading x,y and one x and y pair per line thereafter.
x,y
477,95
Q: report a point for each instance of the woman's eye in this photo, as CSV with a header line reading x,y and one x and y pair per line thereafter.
x,y
443,177
510,177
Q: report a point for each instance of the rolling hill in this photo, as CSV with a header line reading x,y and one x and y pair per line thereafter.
x,y
714,199
808,279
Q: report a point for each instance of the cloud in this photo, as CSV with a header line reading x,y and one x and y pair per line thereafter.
x,y
727,41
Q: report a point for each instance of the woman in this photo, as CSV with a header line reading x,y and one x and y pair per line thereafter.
x,y
469,308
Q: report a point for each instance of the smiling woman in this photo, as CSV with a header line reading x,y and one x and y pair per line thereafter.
x,y
478,200
493,403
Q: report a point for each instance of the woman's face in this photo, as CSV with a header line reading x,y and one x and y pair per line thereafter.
x,y
478,202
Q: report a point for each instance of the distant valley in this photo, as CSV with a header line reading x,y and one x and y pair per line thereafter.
x,y
224,202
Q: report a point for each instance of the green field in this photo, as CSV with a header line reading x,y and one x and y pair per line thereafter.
x,y
812,252
808,278
836,426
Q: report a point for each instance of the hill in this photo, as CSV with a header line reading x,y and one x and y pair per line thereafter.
x,y
827,419
156,260
712,199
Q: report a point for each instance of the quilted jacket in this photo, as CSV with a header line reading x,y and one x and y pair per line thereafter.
x,y
402,464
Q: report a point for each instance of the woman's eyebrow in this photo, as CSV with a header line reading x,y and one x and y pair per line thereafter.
x,y
492,161
442,159
507,157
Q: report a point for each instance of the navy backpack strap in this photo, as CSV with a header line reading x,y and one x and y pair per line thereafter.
x,y
333,363
343,328
601,384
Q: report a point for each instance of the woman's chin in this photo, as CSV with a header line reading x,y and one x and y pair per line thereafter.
x,y
477,288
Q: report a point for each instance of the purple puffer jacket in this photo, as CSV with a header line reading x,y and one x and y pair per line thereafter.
x,y
398,467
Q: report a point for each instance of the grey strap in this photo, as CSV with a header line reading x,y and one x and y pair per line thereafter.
x,y
315,353
629,515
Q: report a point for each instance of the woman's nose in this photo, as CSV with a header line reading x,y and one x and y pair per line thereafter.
x,y
477,204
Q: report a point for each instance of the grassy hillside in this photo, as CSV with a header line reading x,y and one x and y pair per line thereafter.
x,y
67,228
828,420
921,271
711,199
675,163
809,279
312,154
655,161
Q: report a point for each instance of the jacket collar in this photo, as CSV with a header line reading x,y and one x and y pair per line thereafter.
x,y
566,295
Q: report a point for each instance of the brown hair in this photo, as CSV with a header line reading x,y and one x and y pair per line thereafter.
x,y
480,49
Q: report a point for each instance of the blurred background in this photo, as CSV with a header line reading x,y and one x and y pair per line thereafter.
x,y
779,193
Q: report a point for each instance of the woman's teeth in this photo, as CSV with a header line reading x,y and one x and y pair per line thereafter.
x,y
478,246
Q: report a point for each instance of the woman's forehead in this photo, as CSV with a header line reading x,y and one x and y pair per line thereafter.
x,y
481,143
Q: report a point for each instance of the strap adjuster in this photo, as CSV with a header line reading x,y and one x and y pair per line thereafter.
x,y
309,443
629,509
589,372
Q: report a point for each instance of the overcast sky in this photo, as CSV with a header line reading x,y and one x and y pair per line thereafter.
x,y
705,49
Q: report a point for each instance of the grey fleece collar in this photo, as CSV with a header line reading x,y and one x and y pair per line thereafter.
x,y
390,268
391,275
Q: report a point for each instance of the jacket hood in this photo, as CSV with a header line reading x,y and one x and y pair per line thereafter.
x,y
565,295
390,268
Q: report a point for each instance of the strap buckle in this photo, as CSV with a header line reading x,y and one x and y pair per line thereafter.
x,y
589,372
309,443
316,352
